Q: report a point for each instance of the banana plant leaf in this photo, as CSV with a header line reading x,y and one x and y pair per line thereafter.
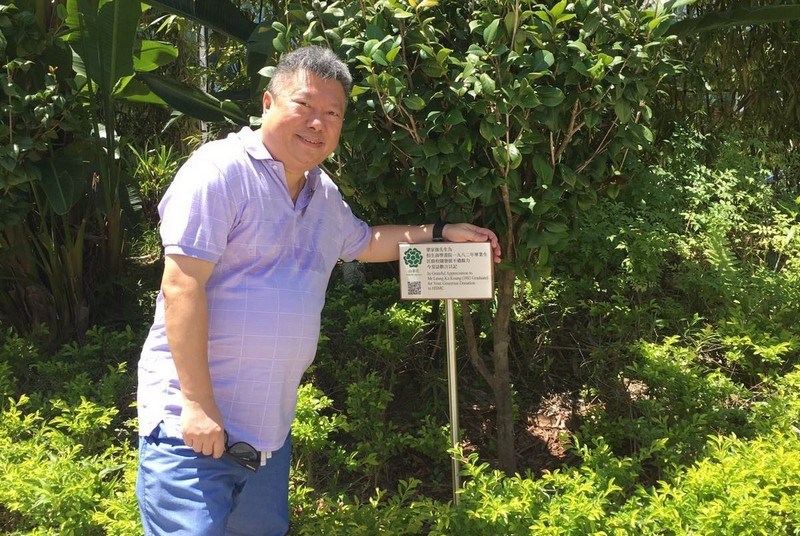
x,y
103,38
150,55
219,15
63,180
193,101
134,90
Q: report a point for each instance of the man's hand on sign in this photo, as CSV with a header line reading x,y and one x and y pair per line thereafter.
x,y
466,232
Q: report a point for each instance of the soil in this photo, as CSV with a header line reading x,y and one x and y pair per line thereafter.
x,y
542,434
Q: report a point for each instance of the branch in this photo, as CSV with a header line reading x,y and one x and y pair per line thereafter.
x,y
411,130
571,131
472,343
510,219
600,148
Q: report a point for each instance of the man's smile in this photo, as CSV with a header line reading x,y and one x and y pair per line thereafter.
x,y
310,141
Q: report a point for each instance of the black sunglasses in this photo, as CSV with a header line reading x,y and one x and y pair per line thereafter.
x,y
242,453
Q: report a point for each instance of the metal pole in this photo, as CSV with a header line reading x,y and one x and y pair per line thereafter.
x,y
453,388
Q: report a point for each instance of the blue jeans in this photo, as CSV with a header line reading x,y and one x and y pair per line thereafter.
x,y
184,493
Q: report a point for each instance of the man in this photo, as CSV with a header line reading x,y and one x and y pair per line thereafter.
x,y
252,230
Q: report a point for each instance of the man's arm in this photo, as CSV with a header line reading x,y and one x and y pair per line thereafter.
x,y
385,238
186,318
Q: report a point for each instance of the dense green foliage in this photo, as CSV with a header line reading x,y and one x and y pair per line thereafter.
x,y
679,297
66,203
42,262
742,72
645,356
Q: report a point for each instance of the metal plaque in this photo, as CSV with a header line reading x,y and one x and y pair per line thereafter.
x,y
446,270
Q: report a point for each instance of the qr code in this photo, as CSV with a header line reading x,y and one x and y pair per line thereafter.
x,y
414,288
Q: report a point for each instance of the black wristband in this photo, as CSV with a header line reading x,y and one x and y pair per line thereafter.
x,y
438,227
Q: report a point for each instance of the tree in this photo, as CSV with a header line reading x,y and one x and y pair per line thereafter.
x,y
505,113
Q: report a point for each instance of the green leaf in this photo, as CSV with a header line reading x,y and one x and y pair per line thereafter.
x,y
476,189
567,175
590,24
392,54
490,32
587,199
59,182
260,41
623,111
558,9
454,117
279,43
565,18
544,255
533,239
134,90
543,15
543,170
487,83
486,130
402,14
219,15
192,101
431,165
104,39
578,45
550,239
380,58
653,24
154,54
543,60
550,96
366,60
476,50
371,46
430,148
445,146
500,155
556,227
514,156
528,98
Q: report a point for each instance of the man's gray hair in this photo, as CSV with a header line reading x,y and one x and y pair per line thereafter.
x,y
318,60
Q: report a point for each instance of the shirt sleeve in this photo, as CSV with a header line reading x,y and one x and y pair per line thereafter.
x,y
197,212
356,233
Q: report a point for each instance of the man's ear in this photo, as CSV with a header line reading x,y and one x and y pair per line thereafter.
x,y
266,101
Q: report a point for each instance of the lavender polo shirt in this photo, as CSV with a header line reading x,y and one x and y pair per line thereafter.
x,y
229,204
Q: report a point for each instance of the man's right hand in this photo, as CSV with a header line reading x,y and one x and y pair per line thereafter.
x,y
186,319
202,428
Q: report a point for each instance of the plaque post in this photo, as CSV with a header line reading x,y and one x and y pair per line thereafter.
x,y
448,271
452,384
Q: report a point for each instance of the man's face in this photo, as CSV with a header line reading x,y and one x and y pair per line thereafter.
x,y
302,122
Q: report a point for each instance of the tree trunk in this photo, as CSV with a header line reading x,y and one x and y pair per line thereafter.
x,y
502,377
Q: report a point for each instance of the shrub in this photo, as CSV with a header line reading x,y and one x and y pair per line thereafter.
x,y
64,451
51,480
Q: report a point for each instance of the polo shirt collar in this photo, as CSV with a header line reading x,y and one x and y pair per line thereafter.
x,y
251,139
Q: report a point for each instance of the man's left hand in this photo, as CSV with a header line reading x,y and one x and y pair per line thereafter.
x,y
466,232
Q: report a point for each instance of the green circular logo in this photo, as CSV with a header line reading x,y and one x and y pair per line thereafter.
x,y
412,257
